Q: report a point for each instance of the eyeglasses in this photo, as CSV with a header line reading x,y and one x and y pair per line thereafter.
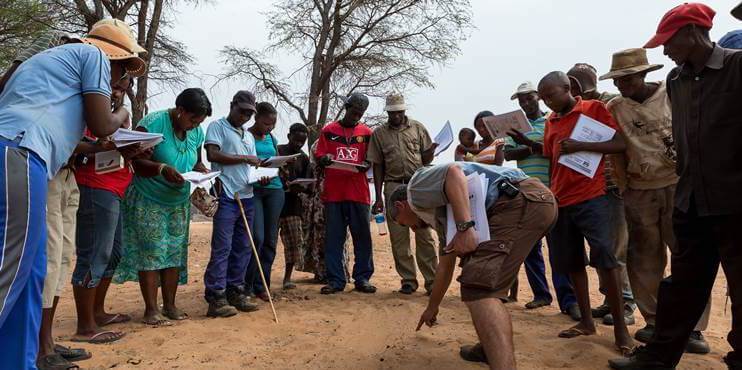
x,y
124,78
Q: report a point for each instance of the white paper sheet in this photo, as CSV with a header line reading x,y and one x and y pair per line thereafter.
x,y
590,131
124,137
109,161
303,182
444,139
279,161
198,178
257,173
477,185
343,166
499,125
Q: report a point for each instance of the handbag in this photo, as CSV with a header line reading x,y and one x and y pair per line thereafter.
x,y
205,202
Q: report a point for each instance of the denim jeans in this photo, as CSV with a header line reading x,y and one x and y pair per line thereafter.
x,y
98,235
230,247
340,216
536,274
268,205
562,284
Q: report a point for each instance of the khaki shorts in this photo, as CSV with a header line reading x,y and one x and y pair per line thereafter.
x,y
62,201
516,224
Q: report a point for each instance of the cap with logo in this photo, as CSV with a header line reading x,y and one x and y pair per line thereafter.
x,y
357,100
678,17
245,100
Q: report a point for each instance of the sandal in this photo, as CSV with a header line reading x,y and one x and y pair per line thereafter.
x,y
573,332
625,351
55,361
100,338
72,354
118,318
329,289
176,314
157,321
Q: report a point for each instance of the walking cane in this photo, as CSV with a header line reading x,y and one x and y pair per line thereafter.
x,y
255,255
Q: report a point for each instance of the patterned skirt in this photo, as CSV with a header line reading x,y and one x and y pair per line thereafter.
x,y
155,237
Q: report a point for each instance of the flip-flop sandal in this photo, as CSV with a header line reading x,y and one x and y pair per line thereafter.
x,y
157,321
118,318
177,314
55,361
625,351
573,333
72,354
100,338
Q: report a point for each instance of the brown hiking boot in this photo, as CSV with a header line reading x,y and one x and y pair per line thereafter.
x,y
220,308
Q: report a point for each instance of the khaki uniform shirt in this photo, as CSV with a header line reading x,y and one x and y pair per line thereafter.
x,y
647,128
399,149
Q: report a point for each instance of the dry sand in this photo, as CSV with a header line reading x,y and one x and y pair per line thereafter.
x,y
349,330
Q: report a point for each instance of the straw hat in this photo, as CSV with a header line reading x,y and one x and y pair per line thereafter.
x,y
116,40
628,62
395,103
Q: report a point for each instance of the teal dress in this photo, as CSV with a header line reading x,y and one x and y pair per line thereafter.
x,y
157,212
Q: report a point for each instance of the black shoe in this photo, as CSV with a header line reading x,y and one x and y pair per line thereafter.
x,y
72,354
537,303
237,298
628,318
697,344
639,360
600,311
644,334
574,312
220,308
329,289
366,287
407,289
473,353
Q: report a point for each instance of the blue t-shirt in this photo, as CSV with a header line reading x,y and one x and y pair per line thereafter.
x,y
266,148
234,177
43,101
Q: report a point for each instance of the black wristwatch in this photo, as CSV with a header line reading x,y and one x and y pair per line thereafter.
x,y
463,226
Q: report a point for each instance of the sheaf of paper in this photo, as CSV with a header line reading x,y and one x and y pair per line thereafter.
x,y
444,139
258,173
499,125
477,185
109,161
198,178
343,166
279,161
124,137
303,182
590,131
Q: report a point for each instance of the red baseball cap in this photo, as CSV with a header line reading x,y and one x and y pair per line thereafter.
x,y
679,17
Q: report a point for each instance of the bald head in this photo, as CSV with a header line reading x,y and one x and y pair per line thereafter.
x,y
553,89
556,78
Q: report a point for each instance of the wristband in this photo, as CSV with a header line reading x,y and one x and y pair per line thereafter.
x,y
162,167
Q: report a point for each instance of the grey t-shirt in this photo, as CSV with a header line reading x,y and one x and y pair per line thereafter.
x,y
427,196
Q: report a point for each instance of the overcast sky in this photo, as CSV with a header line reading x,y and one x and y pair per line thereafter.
x,y
513,41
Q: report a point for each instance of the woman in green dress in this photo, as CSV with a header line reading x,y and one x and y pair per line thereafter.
x,y
157,206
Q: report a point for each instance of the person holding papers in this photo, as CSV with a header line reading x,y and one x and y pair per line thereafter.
x,y
231,150
157,210
490,148
397,150
292,223
516,211
583,207
346,196
643,112
269,199
536,165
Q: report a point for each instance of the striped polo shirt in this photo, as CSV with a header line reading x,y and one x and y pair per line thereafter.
x,y
535,165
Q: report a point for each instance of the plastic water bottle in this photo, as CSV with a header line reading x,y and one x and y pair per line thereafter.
x,y
381,223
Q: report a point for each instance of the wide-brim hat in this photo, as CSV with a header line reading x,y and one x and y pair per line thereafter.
x,y
524,88
117,45
395,103
628,62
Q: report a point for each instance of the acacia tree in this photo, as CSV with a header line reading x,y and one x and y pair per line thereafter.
x,y
167,59
21,21
371,46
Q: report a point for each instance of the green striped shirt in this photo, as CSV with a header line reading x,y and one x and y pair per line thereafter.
x,y
535,165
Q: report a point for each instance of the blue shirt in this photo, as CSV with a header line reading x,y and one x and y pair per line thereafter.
x,y
267,148
230,140
43,101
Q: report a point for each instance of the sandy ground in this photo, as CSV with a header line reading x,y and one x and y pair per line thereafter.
x,y
348,331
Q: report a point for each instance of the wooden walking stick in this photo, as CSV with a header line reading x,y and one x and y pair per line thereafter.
x,y
255,255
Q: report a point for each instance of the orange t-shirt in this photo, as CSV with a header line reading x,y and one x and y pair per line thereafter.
x,y
569,186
